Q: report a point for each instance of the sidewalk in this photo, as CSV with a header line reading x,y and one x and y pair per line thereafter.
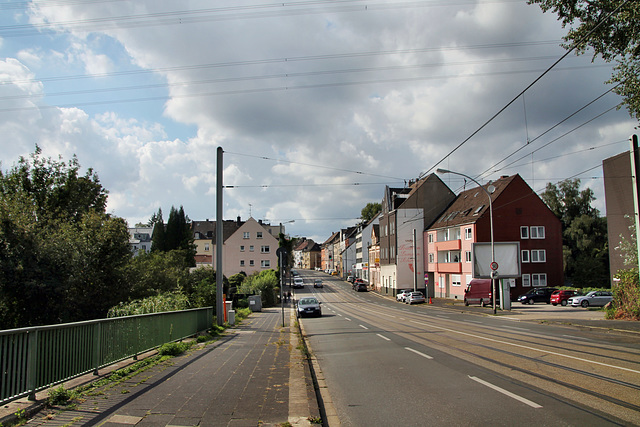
x,y
254,376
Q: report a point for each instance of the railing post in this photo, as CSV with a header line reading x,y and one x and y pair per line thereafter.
x,y
32,364
97,339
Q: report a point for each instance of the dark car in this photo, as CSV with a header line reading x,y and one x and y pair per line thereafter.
x,y
561,296
361,287
537,295
317,283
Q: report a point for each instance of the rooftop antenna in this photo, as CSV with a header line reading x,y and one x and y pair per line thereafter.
x,y
250,210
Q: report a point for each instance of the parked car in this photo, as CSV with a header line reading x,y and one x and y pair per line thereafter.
x,y
479,291
414,297
350,279
561,296
298,282
334,273
317,283
537,295
309,306
403,294
592,299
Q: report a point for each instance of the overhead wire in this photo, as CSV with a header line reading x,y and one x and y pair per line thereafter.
x,y
529,86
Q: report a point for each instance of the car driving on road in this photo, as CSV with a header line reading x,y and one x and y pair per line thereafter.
x,y
317,283
309,306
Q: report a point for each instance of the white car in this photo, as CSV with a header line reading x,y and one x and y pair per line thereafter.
x,y
402,295
298,282
415,297
592,299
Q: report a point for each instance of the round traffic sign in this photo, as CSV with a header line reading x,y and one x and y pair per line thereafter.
x,y
494,265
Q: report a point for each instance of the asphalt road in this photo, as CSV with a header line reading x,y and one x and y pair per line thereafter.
x,y
386,363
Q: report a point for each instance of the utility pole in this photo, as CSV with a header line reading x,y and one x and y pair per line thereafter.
x,y
219,241
635,169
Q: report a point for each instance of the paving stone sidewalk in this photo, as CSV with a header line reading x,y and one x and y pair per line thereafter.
x,y
254,376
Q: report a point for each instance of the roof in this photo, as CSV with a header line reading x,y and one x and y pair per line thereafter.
x,y
470,205
208,228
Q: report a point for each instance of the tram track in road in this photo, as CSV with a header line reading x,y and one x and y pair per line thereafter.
x,y
594,375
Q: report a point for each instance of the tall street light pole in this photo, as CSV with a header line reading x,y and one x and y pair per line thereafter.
x,y
493,253
282,255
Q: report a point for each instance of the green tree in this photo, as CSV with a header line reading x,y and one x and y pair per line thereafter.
x,y
584,233
615,38
370,211
62,256
158,240
263,283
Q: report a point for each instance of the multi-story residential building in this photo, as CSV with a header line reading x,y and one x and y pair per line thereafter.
x,y
374,258
250,249
363,241
328,259
140,240
345,257
406,212
307,255
519,215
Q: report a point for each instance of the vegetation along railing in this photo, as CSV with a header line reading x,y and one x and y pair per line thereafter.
x,y
35,358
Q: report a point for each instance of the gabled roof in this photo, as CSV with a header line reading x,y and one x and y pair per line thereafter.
x,y
208,229
470,205
334,237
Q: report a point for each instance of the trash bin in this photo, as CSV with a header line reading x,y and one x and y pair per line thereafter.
x,y
255,303
232,317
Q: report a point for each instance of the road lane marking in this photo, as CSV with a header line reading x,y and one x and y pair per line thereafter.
x,y
527,347
383,337
346,318
515,327
444,317
426,356
363,327
507,393
577,338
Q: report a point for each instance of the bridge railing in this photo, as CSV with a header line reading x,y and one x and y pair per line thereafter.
x,y
36,358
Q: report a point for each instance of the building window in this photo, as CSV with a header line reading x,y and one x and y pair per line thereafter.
x,y
241,263
467,233
251,248
264,249
265,263
537,232
431,258
539,279
467,256
455,280
206,246
538,255
525,256
524,232
526,280
259,235
430,237
245,235
241,248
251,263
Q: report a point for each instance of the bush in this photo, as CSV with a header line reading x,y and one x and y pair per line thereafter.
x,y
59,396
626,297
173,348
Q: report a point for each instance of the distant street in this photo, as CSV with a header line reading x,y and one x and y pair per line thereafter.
x,y
387,363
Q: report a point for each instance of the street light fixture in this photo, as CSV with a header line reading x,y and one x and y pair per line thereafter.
x,y
282,254
490,190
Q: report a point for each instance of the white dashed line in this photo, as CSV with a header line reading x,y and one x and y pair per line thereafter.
x,y
507,393
426,356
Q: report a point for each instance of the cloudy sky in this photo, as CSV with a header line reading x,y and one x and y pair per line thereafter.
x,y
317,104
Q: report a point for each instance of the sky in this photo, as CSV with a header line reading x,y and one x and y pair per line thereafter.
x,y
317,104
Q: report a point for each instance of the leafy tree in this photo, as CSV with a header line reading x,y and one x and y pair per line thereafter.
x,y
584,233
176,235
263,283
370,211
62,256
156,272
615,38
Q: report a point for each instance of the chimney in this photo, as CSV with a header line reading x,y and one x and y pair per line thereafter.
x,y
238,221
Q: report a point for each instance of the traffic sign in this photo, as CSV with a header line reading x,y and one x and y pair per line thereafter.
x,y
494,266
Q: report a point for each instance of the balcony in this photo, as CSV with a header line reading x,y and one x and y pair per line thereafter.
x,y
448,267
449,245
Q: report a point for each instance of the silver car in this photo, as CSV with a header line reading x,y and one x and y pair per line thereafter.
x,y
592,299
309,306
415,297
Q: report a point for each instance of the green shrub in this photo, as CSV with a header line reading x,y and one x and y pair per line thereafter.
x,y
242,313
173,348
59,396
626,297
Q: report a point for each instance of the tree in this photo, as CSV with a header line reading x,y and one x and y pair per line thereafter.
x,y
62,256
158,241
370,211
615,38
584,233
176,235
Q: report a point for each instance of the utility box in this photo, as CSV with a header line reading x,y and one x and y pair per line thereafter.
x,y
255,303
232,317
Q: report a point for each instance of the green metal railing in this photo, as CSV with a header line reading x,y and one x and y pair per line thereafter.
x,y
33,359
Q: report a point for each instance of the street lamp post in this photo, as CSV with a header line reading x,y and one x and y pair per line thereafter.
x,y
493,253
282,254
